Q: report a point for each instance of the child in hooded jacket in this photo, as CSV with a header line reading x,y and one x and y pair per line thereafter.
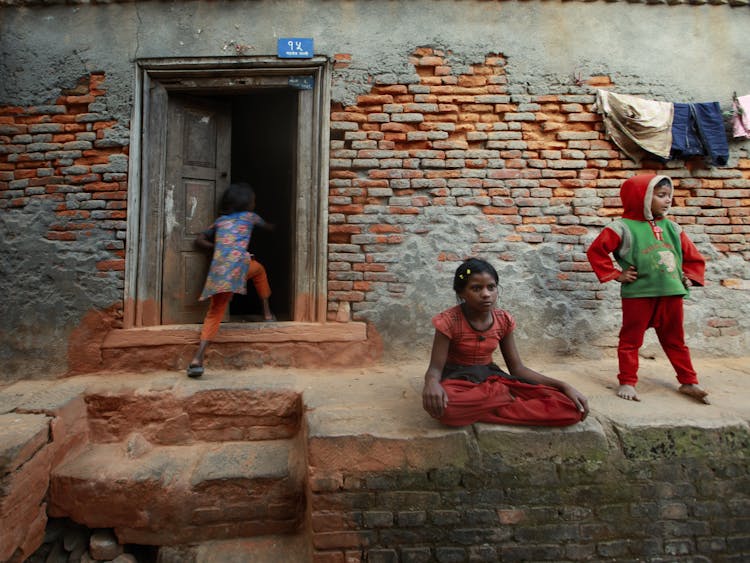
x,y
656,264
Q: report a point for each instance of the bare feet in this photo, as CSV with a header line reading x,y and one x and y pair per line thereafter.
x,y
627,392
696,392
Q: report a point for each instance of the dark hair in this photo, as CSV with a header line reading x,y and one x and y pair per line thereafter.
x,y
237,197
664,182
469,267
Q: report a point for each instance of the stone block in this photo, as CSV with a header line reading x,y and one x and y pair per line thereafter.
x,y
103,545
339,442
519,445
23,533
649,442
180,494
416,555
21,436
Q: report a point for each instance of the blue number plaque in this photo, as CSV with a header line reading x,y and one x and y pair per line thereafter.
x,y
295,47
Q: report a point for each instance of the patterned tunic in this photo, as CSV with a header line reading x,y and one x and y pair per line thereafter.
x,y
231,260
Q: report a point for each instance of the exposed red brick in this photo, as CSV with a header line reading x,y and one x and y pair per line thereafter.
x,y
108,265
61,235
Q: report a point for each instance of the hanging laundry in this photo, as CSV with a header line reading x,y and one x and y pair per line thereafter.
x,y
636,125
686,141
698,129
741,117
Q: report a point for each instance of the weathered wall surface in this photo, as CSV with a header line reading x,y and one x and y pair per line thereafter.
x,y
539,189
663,494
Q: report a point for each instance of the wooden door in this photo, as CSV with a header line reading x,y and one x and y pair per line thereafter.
x,y
197,173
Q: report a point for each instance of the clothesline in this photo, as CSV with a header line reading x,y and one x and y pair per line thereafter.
x,y
668,130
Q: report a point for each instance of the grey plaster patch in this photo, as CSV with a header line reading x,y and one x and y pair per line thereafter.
x,y
47,286
544,43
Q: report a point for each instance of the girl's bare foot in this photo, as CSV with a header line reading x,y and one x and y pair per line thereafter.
x,y
627,392
268,316
696,392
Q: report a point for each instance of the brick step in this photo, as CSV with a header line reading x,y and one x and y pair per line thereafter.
x,y
265,549
190,414
240,345
170,495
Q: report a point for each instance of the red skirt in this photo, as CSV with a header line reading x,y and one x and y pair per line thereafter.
x,y
507,401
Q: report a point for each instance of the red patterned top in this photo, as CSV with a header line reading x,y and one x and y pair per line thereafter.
x,y
470,347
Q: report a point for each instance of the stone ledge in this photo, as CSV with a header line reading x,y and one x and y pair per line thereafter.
x,y
237,333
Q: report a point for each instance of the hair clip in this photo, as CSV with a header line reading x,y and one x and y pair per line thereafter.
x,y
460,276
468,271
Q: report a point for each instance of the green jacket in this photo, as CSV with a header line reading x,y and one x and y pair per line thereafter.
x,y
658,262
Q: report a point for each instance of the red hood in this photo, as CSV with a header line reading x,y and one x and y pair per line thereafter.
x,y
636,193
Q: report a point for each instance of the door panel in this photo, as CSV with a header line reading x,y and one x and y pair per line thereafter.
x,y
198,164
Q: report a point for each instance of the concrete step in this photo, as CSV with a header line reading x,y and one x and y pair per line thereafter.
x,y
171,495
190,413
265,549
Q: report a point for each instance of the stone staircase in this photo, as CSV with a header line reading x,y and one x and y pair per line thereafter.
x,y
185,466
232,468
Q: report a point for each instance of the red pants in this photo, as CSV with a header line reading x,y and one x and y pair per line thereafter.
x,y
220,301
505,401
665,315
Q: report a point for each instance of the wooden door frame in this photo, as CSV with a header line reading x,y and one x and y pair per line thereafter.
x,y
155,79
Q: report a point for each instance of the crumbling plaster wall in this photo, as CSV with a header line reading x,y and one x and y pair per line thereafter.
x,y
671,52
643,47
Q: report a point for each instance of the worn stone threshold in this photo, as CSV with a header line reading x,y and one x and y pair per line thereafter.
x,y
234,332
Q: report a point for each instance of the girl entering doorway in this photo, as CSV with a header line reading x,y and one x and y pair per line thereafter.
x,y
231,264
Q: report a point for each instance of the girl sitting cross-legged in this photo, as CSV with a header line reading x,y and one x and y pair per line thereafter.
x,y
463,385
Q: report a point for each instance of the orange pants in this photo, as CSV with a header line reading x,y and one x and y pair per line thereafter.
x,y
220,301
505,401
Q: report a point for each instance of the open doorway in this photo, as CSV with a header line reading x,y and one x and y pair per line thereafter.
x,y
200,125
264,140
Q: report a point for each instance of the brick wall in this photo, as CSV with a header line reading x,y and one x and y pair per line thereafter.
x,y
664,494
523,168
61,153
535,166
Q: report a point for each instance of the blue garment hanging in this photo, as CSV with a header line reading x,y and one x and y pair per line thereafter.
x,y
698,129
